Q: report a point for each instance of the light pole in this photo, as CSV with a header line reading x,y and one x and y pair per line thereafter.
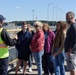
x,y
57,15
63,15
53,15
36,17
48,11
33,16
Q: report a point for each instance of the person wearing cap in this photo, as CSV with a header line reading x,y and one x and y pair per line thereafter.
x,y
5,41
37,45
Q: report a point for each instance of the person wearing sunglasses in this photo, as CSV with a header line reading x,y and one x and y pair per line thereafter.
x,y
37,45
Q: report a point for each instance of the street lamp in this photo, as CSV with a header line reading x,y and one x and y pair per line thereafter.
x,y
36,17
48,11
33,16
57,15
63,15
53,13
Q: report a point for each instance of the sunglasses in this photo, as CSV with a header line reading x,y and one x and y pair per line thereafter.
x,y
35,25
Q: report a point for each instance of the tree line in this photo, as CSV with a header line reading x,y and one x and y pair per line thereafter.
x,y
18,23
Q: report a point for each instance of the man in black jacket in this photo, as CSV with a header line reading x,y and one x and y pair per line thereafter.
x,y
70,43
5,41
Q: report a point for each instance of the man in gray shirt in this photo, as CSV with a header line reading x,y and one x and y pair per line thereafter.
x,y
70,43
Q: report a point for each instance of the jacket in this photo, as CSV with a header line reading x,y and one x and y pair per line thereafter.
x,y
37,43
6,38
23,42
49,41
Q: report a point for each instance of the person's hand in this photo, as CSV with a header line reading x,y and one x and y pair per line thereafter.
x,y
52,51
30,46
69,52
16,37
55,54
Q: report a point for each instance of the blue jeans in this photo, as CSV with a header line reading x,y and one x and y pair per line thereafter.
x,y
59,63
30,61
38,60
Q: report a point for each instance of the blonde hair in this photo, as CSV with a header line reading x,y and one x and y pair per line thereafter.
x,y
38,23
28,26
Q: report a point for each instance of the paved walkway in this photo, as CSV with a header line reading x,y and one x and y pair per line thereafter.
x,y
34,68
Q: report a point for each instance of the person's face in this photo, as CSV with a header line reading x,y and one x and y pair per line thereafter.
x,y
36,27
45,28
68,18
1,23
24,27
28,27
58,26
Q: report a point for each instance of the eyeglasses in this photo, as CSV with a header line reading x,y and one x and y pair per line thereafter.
x,y
35,25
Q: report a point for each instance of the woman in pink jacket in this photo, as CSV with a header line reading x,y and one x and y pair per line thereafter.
x,y
48,59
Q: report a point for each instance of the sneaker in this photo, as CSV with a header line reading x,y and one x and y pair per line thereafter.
x,y
30,69
21,69
53,74
45,74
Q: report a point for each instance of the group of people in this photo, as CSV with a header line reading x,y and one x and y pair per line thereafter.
x,y
50,49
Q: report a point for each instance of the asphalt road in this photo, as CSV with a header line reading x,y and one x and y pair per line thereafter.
x,y
34,72
13,55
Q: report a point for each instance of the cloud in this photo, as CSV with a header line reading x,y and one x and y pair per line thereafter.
x,y
17,7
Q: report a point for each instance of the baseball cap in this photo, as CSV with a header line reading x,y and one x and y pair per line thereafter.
x,y
2,17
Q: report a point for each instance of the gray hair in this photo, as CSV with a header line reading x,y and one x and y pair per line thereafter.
x,y
38,23
70,13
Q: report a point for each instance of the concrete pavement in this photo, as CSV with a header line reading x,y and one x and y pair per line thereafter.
x,y
34,72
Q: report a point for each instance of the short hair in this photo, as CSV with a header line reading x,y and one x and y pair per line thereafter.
x,y
23,23
70,13
38,23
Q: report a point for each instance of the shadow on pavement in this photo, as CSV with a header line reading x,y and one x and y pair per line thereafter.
x,y
13,70
66,69
23,74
